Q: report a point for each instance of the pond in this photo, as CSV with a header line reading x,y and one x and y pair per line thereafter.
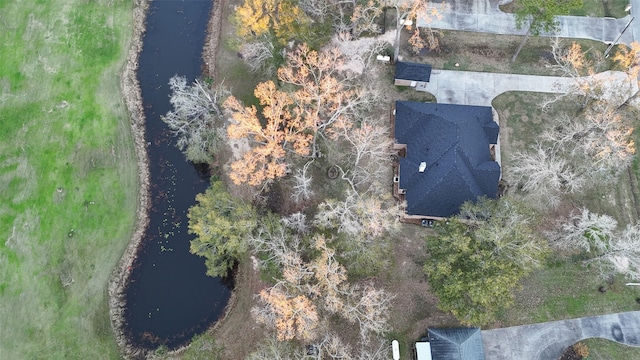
x,y
169,297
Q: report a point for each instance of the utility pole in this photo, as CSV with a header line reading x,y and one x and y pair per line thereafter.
x,y
606,52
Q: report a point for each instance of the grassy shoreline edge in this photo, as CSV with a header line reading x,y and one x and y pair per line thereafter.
x,y
130,89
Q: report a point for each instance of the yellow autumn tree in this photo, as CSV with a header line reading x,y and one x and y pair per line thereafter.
x,y
628,59
284,19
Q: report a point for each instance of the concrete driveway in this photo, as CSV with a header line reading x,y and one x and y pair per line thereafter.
x,y
480,88
485,16
548,340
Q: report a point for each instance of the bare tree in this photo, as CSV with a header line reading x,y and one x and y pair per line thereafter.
x,y
257,55
332,347
196,108
277,243
369,308
296,222
369,156
589,80
599,141
319,9
363,18
612,251
544,175
622,255
360,217
587,231
574,63
302,188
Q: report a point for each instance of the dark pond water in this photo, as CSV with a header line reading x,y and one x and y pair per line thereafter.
x,y
170,298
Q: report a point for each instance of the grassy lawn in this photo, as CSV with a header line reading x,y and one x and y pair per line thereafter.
x,y
68,173
602,349
565,290
491,52
593,8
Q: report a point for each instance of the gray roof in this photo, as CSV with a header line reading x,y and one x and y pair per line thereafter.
x,y
456,344
453,141
413,71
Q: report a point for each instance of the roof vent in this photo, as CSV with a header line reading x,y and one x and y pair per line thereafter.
x,y
423,167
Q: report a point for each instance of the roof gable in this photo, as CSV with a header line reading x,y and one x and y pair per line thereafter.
x,y
452,140
413,71
456,344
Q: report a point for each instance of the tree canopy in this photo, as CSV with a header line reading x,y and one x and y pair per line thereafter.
x,y
541,14
283,19
221,224
474,268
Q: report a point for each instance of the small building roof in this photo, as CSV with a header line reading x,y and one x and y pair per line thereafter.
x,y
453,142
456,344
423,351
413,71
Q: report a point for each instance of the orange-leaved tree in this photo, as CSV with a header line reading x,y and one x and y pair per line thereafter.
x,y
293,316
283,130
315,94
322,91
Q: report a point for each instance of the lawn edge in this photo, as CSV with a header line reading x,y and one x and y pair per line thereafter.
x,y
130,90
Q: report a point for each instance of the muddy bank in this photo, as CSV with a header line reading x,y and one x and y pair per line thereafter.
x,y
132,96
212,41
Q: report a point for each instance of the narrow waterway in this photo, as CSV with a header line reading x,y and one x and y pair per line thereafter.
x,y
169,297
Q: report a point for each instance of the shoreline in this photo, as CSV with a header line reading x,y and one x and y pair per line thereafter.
x,y
132,96
212,39
131,93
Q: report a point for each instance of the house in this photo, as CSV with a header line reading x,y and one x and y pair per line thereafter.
x,y
445,157
412,74
451,344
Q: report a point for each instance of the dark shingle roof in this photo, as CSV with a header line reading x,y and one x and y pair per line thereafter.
x,y
453,141
413,71
456,344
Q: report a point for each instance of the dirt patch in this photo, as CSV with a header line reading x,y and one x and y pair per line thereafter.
x,y
237,331
414,308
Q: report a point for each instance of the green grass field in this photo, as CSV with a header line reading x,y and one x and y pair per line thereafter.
x,y
601,349
68,182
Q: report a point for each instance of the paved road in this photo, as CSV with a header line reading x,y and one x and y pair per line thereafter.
x,y
485,16
548,340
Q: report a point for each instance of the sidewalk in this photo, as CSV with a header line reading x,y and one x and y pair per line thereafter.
x,y
548,340
484,16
